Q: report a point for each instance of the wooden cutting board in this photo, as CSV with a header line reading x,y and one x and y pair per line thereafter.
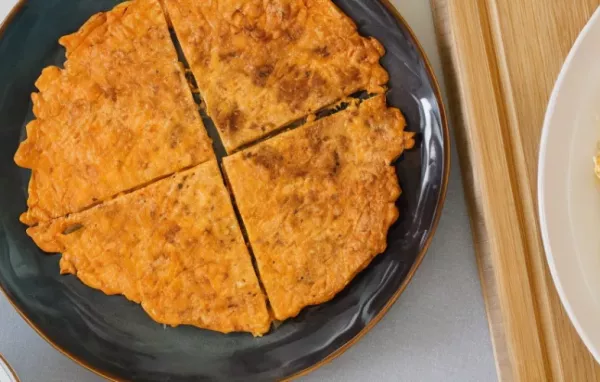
x,y
502,58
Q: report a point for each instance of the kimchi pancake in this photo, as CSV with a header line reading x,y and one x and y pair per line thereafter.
x,y
317,201
174,246
119,115
261,65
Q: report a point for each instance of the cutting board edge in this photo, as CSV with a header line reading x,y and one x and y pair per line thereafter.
x,y
549,318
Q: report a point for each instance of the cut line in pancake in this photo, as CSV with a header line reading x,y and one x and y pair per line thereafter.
x,y
102,129
174,247
262,65
341,105
317,201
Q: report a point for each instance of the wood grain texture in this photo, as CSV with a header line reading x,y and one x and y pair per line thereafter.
x,y
473,194
502,58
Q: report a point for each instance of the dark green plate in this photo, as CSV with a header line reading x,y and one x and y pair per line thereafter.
x,y
115,337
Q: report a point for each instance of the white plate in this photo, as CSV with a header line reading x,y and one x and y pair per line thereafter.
x,y
568,191
6,373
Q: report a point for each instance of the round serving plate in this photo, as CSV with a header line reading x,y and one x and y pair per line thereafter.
x,y
7,374
568,190
114,337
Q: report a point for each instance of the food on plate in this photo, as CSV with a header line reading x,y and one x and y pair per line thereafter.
x,y
317,201
174,246
126,186
261,65
119,115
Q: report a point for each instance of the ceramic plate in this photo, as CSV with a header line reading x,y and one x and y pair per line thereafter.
x,y
569,192
7,374
116,338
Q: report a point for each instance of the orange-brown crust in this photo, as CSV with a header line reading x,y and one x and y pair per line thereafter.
x,y
119,115
174,246
263,64
317,201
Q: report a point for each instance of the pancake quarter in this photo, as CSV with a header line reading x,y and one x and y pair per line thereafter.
x,y
174,246
317,201
119,115
263,64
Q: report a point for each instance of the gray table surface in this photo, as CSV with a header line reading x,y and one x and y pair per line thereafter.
x,y
436,331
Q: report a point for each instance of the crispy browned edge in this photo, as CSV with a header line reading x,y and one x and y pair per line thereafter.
x,y
408,277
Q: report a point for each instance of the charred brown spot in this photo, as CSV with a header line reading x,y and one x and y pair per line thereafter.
x,y
78,108
259,35
317,81
228,56
269,159
294,88
231,121
237,18
255,126
336,164
294,33
344,143
202,60
176,133
261,75
110,93
322,51
234,119
108,210
299,172
231,304
172,233
286,11
351,75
